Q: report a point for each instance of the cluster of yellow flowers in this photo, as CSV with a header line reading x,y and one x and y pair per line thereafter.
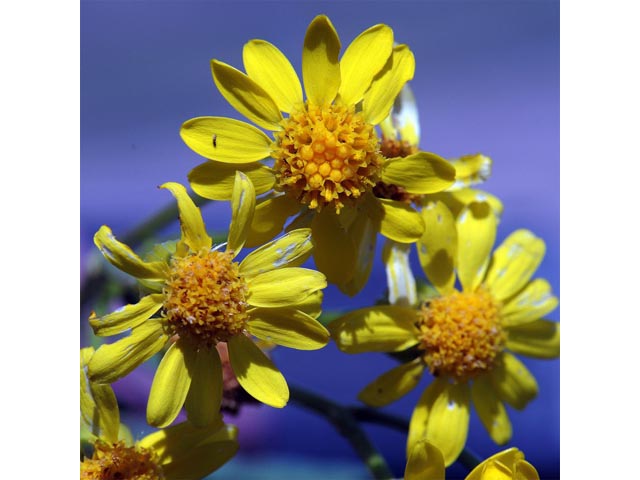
x,y
345,162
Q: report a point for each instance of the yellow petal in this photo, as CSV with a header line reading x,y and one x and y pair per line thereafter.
x,y
456,200
283,287
387,85
269,219
513,263
392,385
333,249
442,418
194,233
123,258
437,248
425,462
205,394
364,233
506,458
476,235
98,404
420,173
287,327
471,169
243,204
129,316
513,382
539,339
170,384
404,117
290,250
320,67
177,440
491,410
384,328
398,221
214,180
225,139
400,280
311,305
246,96
270,69
256,373
535,301
362,60
115,360
525,471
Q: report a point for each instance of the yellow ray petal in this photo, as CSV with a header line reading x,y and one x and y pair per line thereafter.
x,y
525,471
98,404
442,418
243,204
225,139
491,410
311,305
170,384
425,462
214,180
437,248
393,385
205,394
123,258
513,382
333,249
534,302
384,328
246,96
270,69
256,373
290,250
283,287
269,219
115,360
387,84
404,117
320,67
398,221
287,327
476,235
364,232
129,316
420,173
539,339
456,200
400,280
194,233
471,169
507,457
362,60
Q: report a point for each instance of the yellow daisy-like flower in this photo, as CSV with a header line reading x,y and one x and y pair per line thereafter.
x,y
181,452
426,462
461,337
326,152
204,297
401,138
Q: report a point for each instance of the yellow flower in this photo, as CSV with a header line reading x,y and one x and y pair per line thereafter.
x,y
401,138
426,462
181,452
461,337
326,151
204,297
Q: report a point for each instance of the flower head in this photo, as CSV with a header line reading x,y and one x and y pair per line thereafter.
x,y
463,337
181,452
204,297
326,151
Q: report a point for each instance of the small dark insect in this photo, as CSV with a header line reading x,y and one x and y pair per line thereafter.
x,y
215,138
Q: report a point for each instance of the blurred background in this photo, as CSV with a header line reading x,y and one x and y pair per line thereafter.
x,y
486,80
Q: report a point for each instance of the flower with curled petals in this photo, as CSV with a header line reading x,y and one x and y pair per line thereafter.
x,y
325,149
204,297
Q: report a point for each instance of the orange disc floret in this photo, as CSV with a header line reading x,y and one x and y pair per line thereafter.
x,y
117,461
461,334
205,298
326,155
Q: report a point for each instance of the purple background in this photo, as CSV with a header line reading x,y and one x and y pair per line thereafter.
x,y
486,80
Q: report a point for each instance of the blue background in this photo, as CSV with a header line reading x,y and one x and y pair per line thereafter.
x,y
486,80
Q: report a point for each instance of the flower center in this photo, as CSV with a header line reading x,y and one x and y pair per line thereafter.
x,y
461,334
326,155
118,462
205,298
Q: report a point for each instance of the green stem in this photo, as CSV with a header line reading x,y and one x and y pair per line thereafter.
x,y
346,424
